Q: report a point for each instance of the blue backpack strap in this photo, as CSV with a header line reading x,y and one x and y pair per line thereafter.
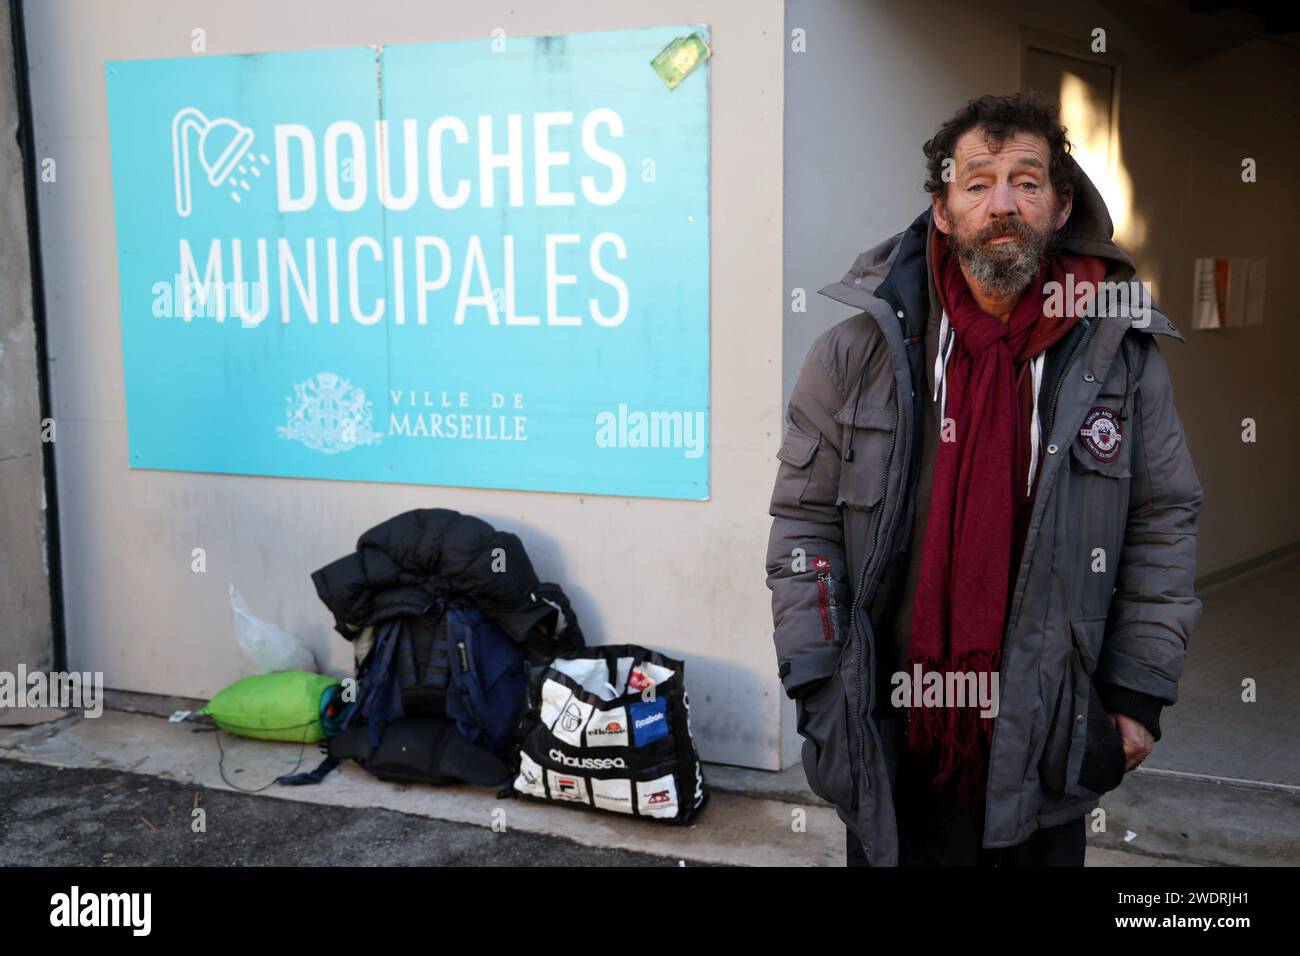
x,y
405,665
465,699
314,777
488,678
376,677
381,700
437,672
326,766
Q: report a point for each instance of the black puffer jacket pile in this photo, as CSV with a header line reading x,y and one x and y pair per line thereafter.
x,y
399,566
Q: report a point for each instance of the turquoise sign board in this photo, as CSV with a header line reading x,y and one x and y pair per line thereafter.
x,y
482,263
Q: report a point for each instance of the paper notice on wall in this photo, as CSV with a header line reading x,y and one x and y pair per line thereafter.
x,y
1205,311
1228,293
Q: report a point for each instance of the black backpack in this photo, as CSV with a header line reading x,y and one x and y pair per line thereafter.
x,y
437,698
448,662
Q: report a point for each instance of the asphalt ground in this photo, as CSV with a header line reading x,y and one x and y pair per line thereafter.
x,y
111,818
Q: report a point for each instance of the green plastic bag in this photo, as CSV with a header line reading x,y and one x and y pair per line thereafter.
x,y
286,705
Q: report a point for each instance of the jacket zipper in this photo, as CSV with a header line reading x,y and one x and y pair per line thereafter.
x,y
1060,382
862,580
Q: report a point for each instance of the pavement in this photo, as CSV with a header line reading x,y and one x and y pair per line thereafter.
x,y
80,817
732,829
123,788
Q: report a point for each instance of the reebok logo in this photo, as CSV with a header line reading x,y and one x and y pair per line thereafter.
x,y
644,722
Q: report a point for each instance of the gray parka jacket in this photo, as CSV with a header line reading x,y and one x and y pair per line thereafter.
x,y
1081,618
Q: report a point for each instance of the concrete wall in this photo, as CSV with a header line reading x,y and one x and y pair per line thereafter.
x,y
683,577
25,630
1197,96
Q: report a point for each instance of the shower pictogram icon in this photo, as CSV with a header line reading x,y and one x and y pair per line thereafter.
x,y
225,151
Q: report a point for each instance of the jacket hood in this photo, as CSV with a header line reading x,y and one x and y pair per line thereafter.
x,y
897,268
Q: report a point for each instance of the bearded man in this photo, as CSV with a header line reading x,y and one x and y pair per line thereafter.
x,y
984,484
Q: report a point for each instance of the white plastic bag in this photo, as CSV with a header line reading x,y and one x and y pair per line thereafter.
x,y
267,646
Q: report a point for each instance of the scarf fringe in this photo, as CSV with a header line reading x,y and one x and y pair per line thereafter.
x,y
959,735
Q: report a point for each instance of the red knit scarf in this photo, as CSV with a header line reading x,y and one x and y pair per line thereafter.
x,y
979,480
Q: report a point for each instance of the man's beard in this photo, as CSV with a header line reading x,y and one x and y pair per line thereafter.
x,y
1006,268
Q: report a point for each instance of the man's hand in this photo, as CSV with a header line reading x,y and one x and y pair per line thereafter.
x,y
1137,740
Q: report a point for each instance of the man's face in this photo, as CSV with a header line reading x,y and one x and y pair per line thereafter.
x,y
1001,211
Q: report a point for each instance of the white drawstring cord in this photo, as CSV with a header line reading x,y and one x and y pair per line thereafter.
x,y
941,392
1035,428
941,366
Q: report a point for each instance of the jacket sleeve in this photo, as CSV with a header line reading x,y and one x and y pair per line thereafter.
x,y
1143,708
806,564
1154,607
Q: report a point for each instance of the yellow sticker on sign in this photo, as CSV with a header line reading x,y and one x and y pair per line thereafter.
x,y
679,59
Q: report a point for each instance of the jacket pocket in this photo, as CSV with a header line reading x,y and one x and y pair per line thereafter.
x,y
1084,753
1101,768
794,477
869,431
1101,762
823,723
